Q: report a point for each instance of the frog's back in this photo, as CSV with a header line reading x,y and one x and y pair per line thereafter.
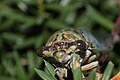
x,y
66,35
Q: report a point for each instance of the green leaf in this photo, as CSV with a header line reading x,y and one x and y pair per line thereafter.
x,y
50,68
14,15
6,25
55,24
10,69
40,39
6,78
108,71
54,7
98,78
27,42
96,16
31,64
82,20
69,11
33,61
92,75
43,75
20,72
76,70
30,60
13,37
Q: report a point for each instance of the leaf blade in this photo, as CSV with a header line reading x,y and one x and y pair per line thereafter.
x,y
96,16
42,74
76,70
108,71
50,68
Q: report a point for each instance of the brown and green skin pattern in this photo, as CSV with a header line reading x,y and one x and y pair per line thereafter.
x,y
64,43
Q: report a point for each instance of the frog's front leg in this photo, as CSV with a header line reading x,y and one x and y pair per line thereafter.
x,y
61,73
90,66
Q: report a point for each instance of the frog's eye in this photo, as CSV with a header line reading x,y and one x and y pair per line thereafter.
x,y
81,44
58,54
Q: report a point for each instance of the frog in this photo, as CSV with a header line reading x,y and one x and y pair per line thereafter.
x,y
63,44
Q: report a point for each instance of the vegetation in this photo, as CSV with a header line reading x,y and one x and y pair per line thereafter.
x,y
77,74
26,25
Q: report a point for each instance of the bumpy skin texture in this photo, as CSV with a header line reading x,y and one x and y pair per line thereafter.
x,y
64,43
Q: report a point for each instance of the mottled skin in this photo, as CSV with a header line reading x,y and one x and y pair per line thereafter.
x,y
66,42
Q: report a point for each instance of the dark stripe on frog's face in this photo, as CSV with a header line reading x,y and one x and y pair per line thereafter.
x,y
67,47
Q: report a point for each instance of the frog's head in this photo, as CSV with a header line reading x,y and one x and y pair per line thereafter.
x,y
63,51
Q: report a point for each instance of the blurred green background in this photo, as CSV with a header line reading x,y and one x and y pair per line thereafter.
x,y
26,25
